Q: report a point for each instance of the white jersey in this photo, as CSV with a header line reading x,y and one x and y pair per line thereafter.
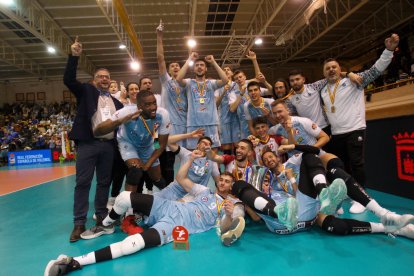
x,y
349,103
308,103
305,131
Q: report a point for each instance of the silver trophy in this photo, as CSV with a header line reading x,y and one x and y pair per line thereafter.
x,y
255,176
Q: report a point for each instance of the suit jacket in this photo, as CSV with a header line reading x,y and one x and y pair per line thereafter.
x,y
87,97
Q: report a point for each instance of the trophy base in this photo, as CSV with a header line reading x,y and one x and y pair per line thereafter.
x,y
181,245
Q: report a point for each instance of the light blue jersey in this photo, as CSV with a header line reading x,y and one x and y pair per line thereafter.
x,y
244,126
308,209
305,132
225,115
201,171
281,182
229,123
253,112
202,109
282,189
196,216
136,133
174,98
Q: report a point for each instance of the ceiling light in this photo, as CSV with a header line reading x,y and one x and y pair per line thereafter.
x,y
135,65
191,43
122,46
51,50
258,41
7,2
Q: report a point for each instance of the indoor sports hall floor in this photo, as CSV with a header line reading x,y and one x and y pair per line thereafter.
x,y
36,220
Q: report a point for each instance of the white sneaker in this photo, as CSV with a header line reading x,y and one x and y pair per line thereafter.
x,y
110,203
356,208
96,231
394,222
407,231
234,232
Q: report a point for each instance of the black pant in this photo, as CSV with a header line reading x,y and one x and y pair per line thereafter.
x,y
167,159
328,146
119,170
95,155
350,148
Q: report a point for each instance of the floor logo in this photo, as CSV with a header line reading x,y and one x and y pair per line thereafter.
x,y
405,155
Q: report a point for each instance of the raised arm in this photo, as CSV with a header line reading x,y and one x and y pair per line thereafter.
x,y
162,68
183,70
382,63
252,56
69,77
173,139
220,97
182,174
211,155
223,77
262,79
235,104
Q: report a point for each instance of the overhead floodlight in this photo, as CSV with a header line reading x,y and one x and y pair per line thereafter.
x,y
191,63
135,65
258,41
191,43
7,2
51,50
122,46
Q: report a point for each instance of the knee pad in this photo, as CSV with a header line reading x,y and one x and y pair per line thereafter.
x,y
238,187
122,202
335,163
311,160
132,244
160,184
335,173
335,226
134,176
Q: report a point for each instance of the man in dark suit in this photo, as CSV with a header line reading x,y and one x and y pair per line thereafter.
x,y
94,105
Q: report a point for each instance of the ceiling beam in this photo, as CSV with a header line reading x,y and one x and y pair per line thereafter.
x,y
385,19
237,47
319,25
14,57
114,11
31,16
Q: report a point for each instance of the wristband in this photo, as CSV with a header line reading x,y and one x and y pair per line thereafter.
x,y
292,180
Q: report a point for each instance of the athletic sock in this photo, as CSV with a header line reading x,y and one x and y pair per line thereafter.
x,y
377,227
86,259
319,181
374,207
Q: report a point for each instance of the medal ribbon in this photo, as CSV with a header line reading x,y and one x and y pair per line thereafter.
x,y
332,95
219,206
153,134
237,170
201,92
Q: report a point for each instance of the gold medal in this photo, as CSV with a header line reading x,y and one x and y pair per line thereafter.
x,y
332,95
201,100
